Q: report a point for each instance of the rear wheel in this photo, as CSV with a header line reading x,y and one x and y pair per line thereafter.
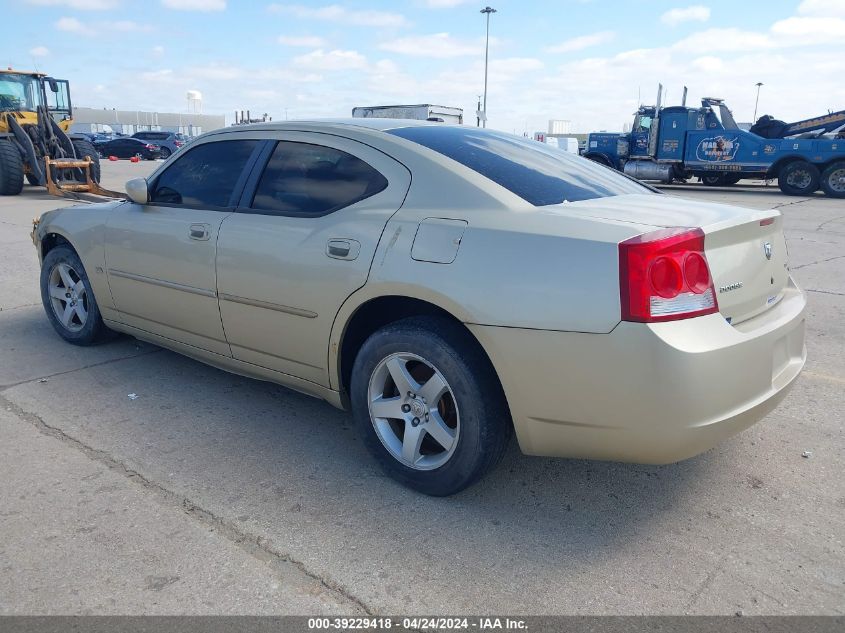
x,y
68,298
85,148
165,153
833,180
11,169
32,180
429,404
798,178
713,179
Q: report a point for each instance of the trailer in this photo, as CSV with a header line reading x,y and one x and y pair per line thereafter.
x,y
678,142
420,112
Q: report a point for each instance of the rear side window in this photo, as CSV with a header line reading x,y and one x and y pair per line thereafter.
x,y
205,175
309,180
534,171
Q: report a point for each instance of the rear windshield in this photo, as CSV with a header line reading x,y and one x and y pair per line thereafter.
x,y
534,171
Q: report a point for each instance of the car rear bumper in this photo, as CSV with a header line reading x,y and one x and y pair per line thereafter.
x,y
647,393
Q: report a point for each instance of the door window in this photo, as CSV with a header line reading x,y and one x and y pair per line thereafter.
x,y
311,180
204,176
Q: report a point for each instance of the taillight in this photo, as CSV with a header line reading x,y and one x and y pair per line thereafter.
x,y
178,143
664,276
150,146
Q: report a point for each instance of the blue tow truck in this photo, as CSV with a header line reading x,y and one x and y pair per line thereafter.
x,y
678,142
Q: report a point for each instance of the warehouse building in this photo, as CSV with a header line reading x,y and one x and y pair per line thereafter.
x,y
92,120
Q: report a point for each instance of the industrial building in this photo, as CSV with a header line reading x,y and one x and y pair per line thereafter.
x,y
91,120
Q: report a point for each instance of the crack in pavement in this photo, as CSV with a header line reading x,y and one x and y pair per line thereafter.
x,y
788,204
821,261
259,547
826,292
26,305
89,366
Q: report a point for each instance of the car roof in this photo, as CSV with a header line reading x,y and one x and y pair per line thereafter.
x,y
373,124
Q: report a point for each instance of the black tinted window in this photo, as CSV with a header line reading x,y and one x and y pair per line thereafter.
x,y
205,175
303,179
532,170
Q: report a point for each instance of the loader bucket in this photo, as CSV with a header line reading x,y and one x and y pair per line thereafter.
x,y
66,188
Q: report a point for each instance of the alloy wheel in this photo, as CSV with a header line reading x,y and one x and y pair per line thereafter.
x,y
68,297
413,411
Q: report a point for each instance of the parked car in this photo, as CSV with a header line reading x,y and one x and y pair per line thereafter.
x,y
450,285
127,147
169,142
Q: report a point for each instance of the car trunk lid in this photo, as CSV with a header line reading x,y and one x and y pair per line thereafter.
x,y
745,248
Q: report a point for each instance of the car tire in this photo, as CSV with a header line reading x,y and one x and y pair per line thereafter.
x,y
85,148
798,178
833,180
11,169
69,299
165,153
445,420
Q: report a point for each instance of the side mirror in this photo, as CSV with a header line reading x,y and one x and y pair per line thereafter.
x,y
54,85
137,190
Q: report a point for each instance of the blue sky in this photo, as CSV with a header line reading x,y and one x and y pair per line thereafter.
x,y
581,60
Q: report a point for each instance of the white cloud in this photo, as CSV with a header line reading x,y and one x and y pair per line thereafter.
x,y
695,13
809,30
337,13
708,64
309,41
194,5
39,51
444,4
822,8
331,60
581,42
79,5
724,40
157,51
72,25
439,45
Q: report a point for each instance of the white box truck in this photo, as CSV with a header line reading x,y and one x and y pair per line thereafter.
x,y
420,112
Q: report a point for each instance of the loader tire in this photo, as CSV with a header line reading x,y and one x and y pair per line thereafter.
x,y
83,149
11,169
798,178
31,179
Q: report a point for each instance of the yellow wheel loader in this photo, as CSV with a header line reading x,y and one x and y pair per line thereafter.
x,y
35,143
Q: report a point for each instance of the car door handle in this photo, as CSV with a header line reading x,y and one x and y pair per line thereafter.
x,y
343,249
200,231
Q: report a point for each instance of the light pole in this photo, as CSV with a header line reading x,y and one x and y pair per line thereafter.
x,y
488,11
758,84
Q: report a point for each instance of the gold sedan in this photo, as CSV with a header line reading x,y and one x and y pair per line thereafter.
x,y
449,285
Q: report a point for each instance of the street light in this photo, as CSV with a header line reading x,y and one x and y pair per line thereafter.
x,y
758,84
488,11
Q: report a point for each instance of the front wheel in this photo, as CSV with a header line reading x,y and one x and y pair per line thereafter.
x,y
68,298
833,180
429,404
798,178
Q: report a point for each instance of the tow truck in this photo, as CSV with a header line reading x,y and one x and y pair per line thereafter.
x,y
672,143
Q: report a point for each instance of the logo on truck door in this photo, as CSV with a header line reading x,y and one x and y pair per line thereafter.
x,y
717,149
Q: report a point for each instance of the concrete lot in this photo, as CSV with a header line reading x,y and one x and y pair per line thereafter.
x,y
211,493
